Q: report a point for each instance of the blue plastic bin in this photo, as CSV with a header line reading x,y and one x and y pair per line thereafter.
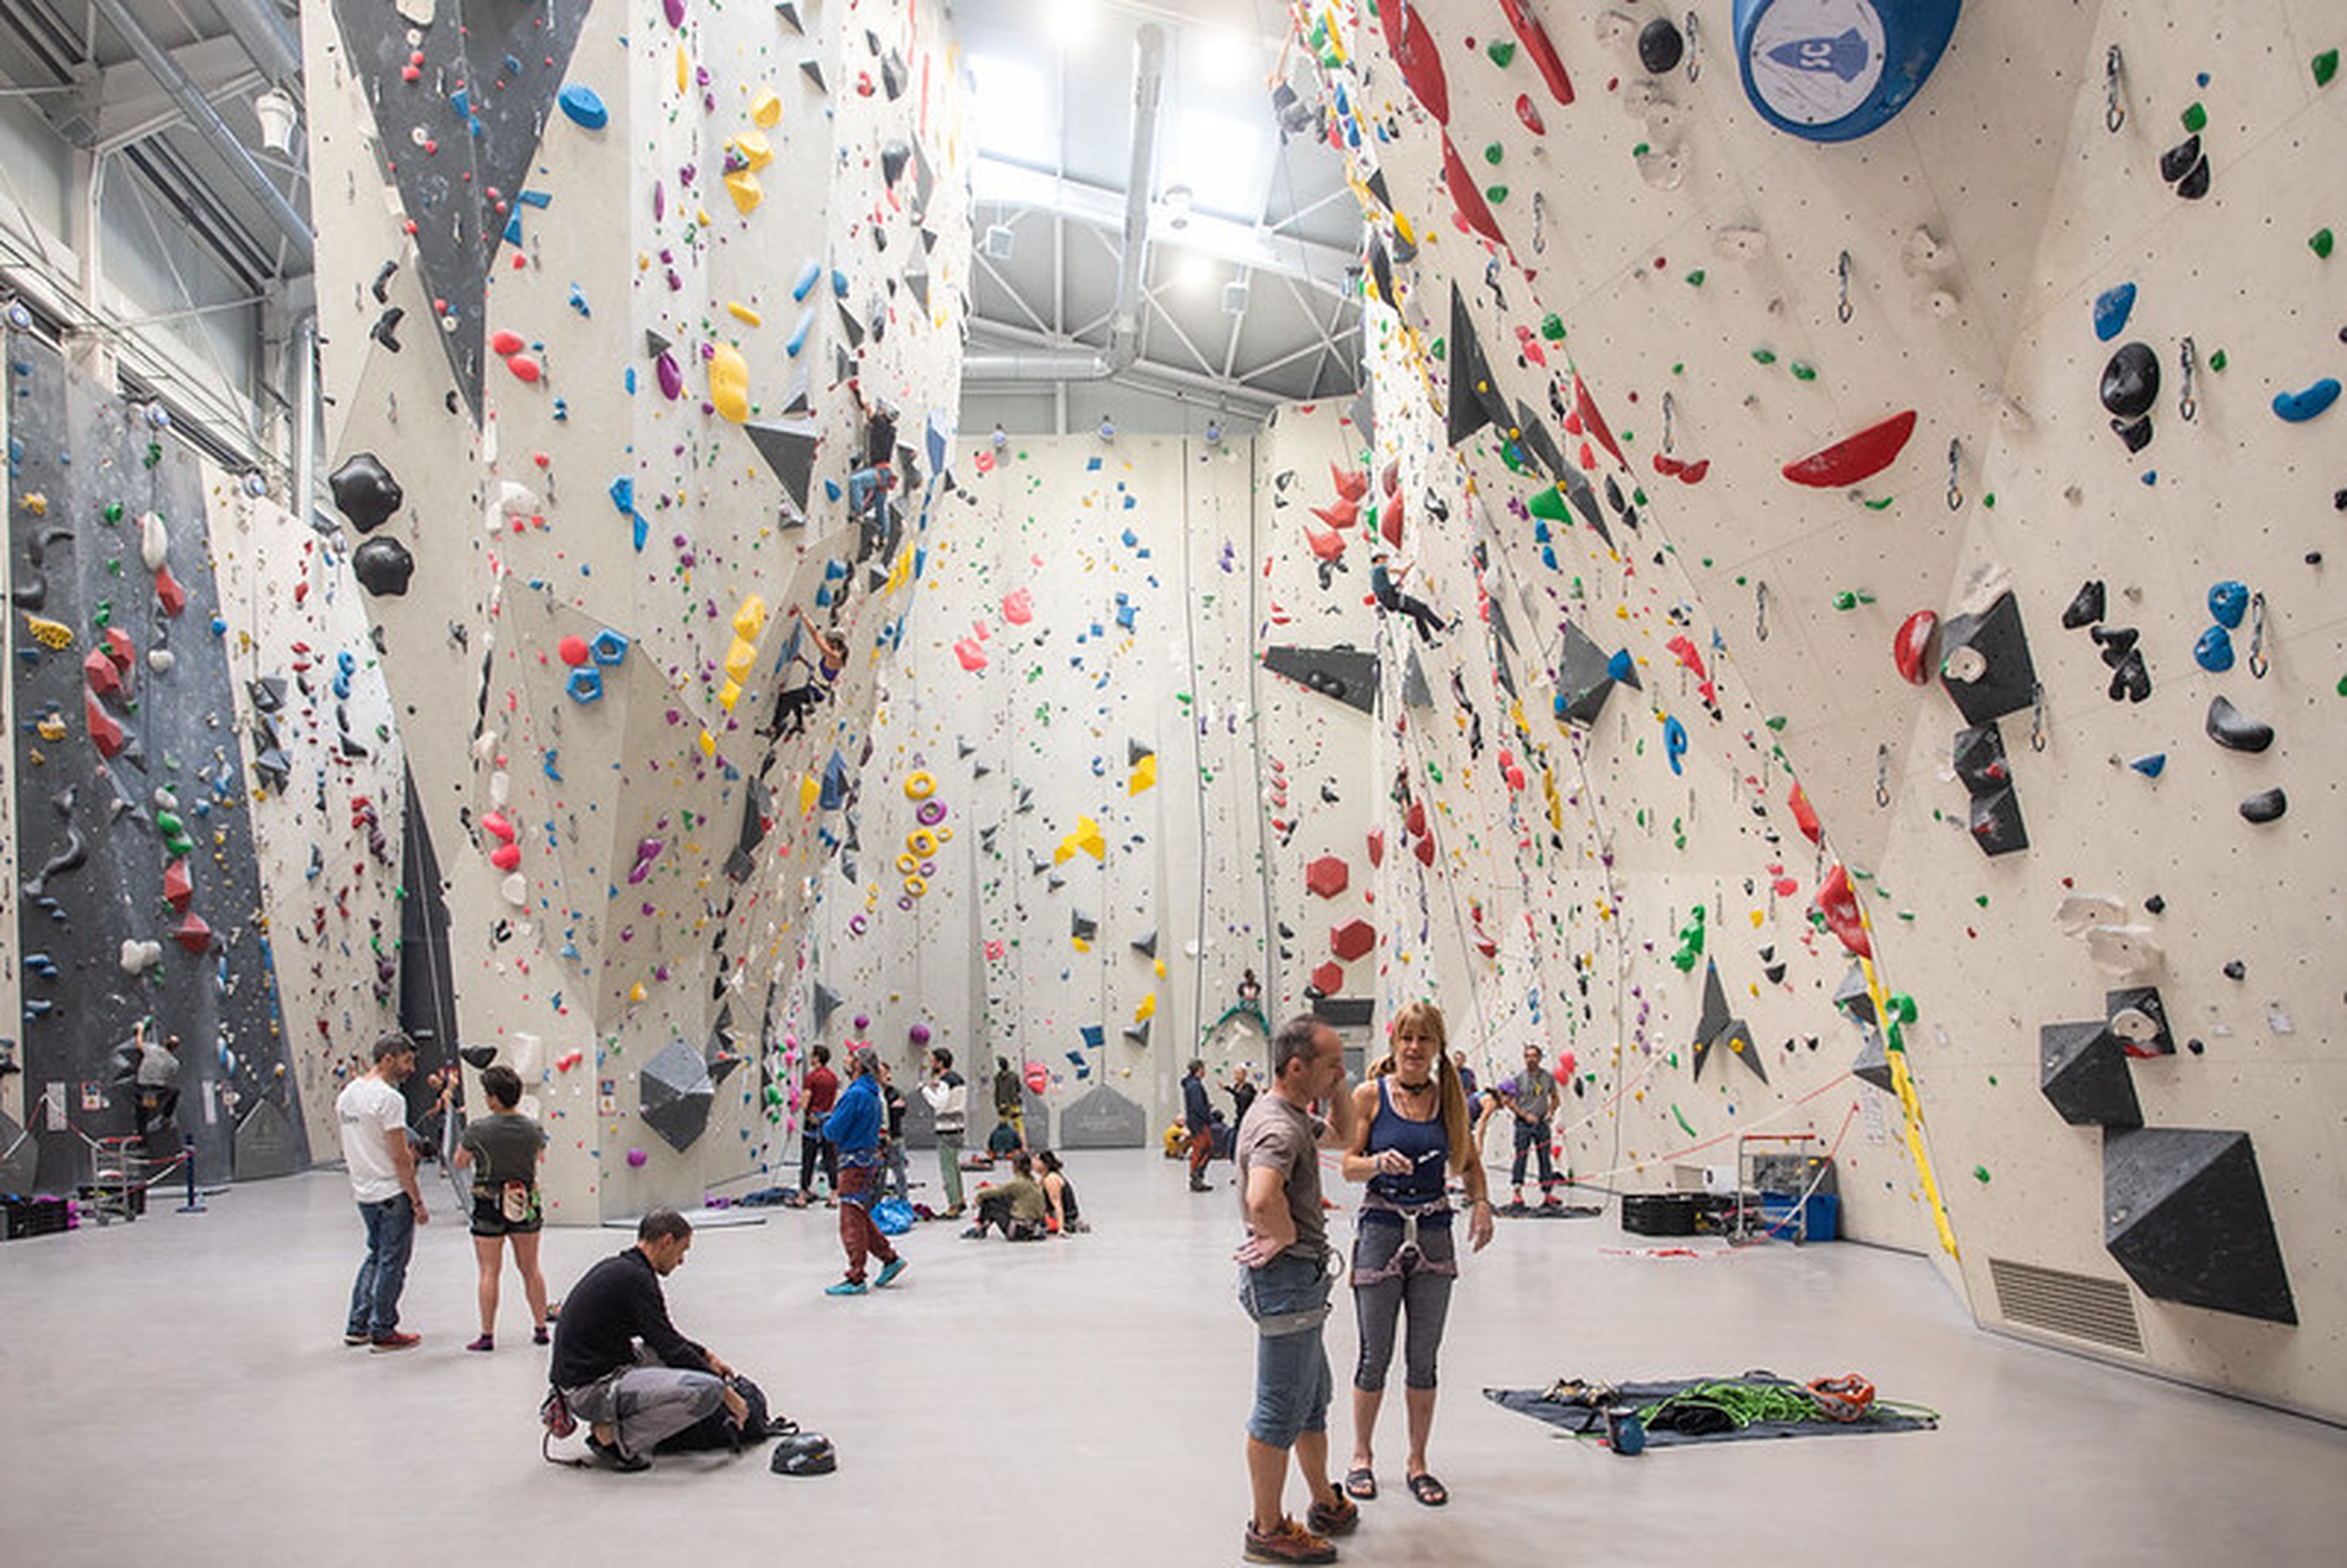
x,y
1784,1215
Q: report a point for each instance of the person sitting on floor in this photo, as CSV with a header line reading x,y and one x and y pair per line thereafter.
x,y
1066,1219
1019,1205
1005,1140
622,1365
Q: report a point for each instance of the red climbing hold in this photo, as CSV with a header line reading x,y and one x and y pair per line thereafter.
x,y
1326,544
169,593
1414,51
1585,406
1328,876
1911,648
1352,939
1329,978
193,934
1378,847
1424,849
574,651
1353,484
496,822
178,886
1474,211
104,732
524,366
1839,904
1390,522
1529,112
1805,816
503,342
1341,513
1860,456
1414,823
1536,44
99,671
505,857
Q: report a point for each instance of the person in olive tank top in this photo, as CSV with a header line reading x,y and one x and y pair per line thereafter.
x,y
502,1150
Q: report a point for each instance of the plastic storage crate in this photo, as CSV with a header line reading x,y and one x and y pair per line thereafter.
x,y
1784,1216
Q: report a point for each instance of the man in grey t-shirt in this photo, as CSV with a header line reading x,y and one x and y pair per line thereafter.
x,y
1284,1285
1531,1096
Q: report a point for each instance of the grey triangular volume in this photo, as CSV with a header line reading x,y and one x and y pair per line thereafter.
x,y
787,13
812,69
1873,1063
789,450
827,1002
1135,751
2185,1213
1415,691
1146,946
1346,674
850,325
1139,1032
656,343
918,284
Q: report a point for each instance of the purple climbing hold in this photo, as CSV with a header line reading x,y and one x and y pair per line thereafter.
x,y
674,11
671,374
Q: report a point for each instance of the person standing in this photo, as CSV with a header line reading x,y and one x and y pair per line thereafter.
x,y
1009,1105
822,1092
372,1116
623,1367
502,1150
1242,1090
853,1128
1410,1134
155,1093
892,1140
1284,1285
1198,1117
1530,1095
1466,1075
948,1099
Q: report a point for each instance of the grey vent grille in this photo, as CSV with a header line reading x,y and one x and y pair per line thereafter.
x,y
2076,1305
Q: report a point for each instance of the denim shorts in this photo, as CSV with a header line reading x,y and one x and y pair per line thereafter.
x,y
1288,1300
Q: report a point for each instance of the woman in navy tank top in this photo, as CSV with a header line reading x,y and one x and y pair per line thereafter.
x,y
1413,1133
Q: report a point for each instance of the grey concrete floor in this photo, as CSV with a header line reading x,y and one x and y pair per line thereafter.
x,y
177,1389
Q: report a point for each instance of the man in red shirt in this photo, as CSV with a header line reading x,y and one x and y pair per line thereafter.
x,y
821,1089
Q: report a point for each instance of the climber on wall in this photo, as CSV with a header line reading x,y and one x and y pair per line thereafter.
x,y
1385,586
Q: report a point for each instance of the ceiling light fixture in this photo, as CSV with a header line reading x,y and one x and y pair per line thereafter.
x,y
277,111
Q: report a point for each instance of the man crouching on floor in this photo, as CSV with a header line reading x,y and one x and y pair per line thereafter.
x,y
621,1363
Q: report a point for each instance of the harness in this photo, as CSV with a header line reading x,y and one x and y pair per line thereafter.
x,y
1407,1258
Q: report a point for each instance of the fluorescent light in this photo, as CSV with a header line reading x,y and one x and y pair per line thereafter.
x,y
1224,161
1223,56
1010,110
1194,271
275,110
1073,22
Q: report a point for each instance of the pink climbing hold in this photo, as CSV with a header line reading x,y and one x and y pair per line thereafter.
x,y
498,823
574,651
505,857
972,657
524,366
1018,606
1039,1077
504,343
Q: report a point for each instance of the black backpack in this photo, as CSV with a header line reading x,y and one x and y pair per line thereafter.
x,y
716,1431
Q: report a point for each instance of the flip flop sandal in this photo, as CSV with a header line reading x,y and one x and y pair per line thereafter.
x,y
1361,1483
1428,1491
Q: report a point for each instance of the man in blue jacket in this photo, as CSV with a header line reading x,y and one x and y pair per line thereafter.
x,y
853,1128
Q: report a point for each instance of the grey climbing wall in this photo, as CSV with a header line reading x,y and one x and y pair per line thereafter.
x,y
140,893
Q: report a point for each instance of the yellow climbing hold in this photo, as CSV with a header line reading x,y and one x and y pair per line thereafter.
x,y
1086,837
709,742
766,109
37,504
683,70
729,694
744,314
755,150
743,187
920,785
1144,775
53,635
1147,1009
51,727
729,383
810,793
750,619
637,993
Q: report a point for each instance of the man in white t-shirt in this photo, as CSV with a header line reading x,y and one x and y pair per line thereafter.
x,y
373,1115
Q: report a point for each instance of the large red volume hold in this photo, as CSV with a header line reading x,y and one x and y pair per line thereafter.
x,y
1594,422
1837,902
1468,195
1543,52
1414,52
1860,456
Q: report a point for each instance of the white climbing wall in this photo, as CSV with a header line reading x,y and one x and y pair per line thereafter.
x,y
327,833
1105,770
1661,287
734,263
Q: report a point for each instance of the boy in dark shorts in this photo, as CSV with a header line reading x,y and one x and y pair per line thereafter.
x,y
502,1150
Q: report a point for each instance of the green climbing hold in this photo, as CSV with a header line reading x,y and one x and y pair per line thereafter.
x,y
1500,50
1844,600
1989,501
1547,504
1980,1174
1682,1120
1552,327
2326,65
1493,153
1981,899
2195,117
2217,361
1776,723
1881,506
2319,243
1495,194
1991,1080
113,511
1764,356
1695,279
1802,372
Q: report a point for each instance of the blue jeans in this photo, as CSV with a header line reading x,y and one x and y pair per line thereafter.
x,y
1531,1137
1288,1299
391,1235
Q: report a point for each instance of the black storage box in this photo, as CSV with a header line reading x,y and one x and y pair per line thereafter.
x,y
1660,1213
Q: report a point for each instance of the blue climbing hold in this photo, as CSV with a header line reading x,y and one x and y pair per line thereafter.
x,y
1619,666
2298,407
1675,743
2229,601
808,275
586,684
609,647
584,107
2150,766
2214,651
2112,308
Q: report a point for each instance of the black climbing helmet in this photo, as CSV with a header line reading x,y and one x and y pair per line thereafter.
x,y
805,1453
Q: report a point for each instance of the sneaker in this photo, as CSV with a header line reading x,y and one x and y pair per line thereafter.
x,y
1552,1201
394,1340
896,1265
1518,1201
486,1342
356,1336
847,1287
1290,1542
538,1336
1337,1518
613,1459
973,1233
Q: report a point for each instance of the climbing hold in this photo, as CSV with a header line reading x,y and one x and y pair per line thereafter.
x,y
584,106
920,785
383,567
2086,606
729,383
2236,731
2131,381
573,650
1855,458
1910,650
1542,53
2266,805
2229,601
2112,308
2298,407
2325,65
2213,651
1660,47
585,684
2150,766
366,492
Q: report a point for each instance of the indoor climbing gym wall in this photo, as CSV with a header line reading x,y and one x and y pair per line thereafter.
x,y
644,355
1910,439
139,895
1086,819
325,777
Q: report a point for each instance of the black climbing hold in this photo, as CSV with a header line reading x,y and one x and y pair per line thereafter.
x,y
1660,47
1980,760
2235,970
1996,824
477,1056
2185,1213
2194,185
2154,904
385,330
1984,663
2135,434
2196,1046
2084,1073
2237,732
2116,641
2265,805
2131,680
381,287
383,567
2180,159
2086,606
366,492
2131,381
